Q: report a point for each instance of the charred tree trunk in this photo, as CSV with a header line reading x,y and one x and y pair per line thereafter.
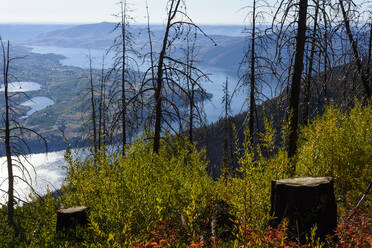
x,y
6,61
354,47
123,69
305,202
308,78
296,82
159,80
191,112
369,55
92,102
227,135
191,87
325,78
102,105
252,103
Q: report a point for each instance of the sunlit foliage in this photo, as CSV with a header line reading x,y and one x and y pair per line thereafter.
x,y
144,199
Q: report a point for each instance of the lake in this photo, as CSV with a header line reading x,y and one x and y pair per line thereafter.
x,y
22,87
49,174
213,108
77,56
49,171
36,104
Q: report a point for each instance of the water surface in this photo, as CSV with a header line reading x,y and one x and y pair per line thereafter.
x,y
46,171
21,87
77,56
36,104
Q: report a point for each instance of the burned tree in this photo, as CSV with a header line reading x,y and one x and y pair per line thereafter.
x,y
12,131
355,50
8,148
93,104
252,102
299,11
227,141
296,81
309,73
255,63
124,64
195,94
167,69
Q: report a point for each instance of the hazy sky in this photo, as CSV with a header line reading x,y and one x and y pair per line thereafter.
x,y
88,11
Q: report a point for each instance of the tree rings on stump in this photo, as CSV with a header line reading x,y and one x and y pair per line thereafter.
x,y
305,202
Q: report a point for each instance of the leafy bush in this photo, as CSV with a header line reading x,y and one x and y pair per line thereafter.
x,y
36,222
168,200
249,192
128,196
339,144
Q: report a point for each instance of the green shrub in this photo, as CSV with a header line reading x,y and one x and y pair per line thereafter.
x,y
146,200
128,196
36,223
248,192
339,144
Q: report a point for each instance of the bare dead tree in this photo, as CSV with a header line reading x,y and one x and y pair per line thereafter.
x,y
369,60
195,93
13,133
296,81
252,103
125,63
365,43
123,12
327,40
256,61
227,142
167,69
289,29
308,77
172,12
93,104
6,62
103,108
96,105
354,47
190,86
282,35
286,26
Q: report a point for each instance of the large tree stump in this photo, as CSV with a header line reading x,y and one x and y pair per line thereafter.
x,y
70,218
305,202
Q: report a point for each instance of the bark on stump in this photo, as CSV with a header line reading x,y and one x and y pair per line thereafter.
x,y
70,218
305,202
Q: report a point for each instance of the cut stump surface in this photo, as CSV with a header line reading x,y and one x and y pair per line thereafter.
x,y
69,218
305,202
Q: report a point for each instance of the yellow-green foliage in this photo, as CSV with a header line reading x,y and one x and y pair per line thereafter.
x,y
339,144
249,192
129,195
171,194
36,222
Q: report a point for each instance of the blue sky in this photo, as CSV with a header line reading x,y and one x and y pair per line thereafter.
x,y
90,11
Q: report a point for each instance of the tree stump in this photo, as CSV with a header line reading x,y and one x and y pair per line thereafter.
x,y
305,202
70,218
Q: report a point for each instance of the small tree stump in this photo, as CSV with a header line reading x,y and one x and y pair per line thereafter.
x,y
305,202
70,218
